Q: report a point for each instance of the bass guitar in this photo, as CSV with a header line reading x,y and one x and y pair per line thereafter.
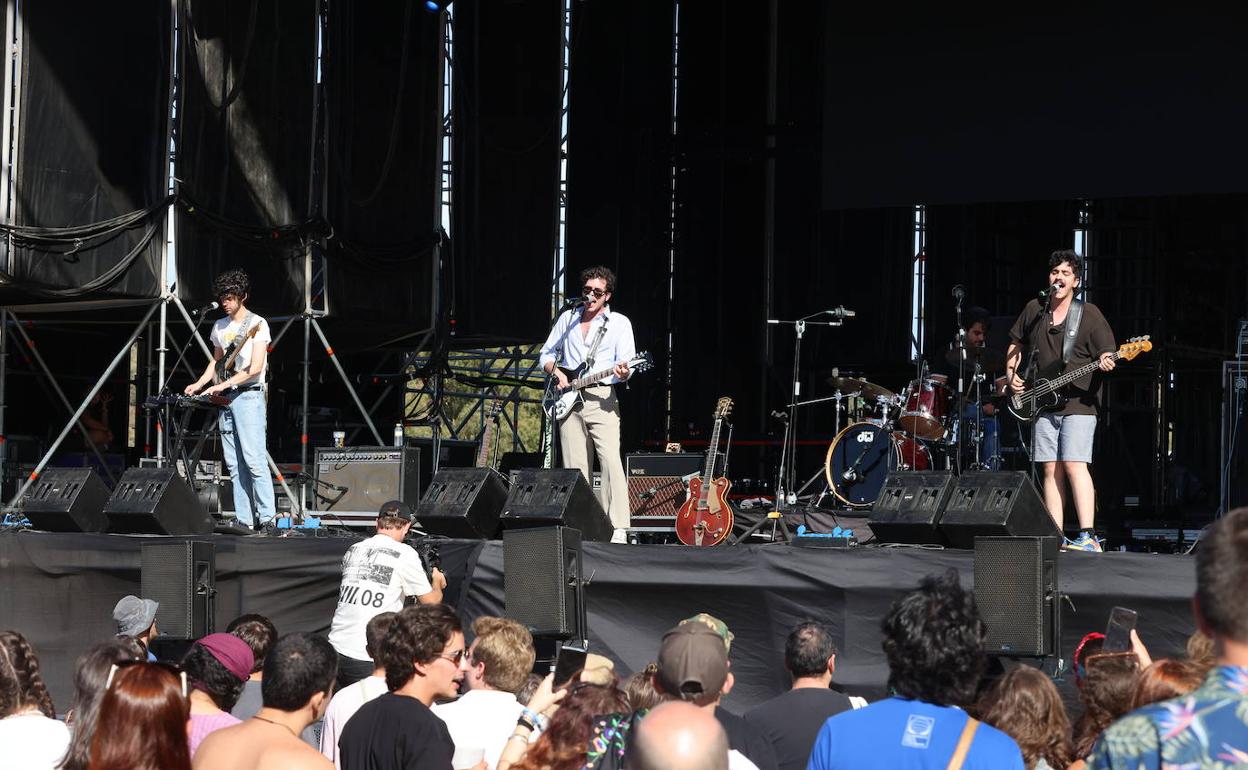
x,y
705,517
559,402
1044,392
222,370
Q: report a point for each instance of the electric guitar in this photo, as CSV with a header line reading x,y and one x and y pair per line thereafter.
x,y
222,371
484,459
559,402
1044,392
705,518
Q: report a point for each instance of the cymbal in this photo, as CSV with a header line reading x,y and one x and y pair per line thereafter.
x,y
989,360
853,386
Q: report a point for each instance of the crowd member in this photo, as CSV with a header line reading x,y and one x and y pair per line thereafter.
x,y
30,735
1165,679
526,691
298,678
934,644
137,617
639,689
1025,705
792,720
499,661
90,675
378,575
424,659
1205,728
1200,652
539,708
678,736
217,666
142,720
1108,685
348,701
259,633
564,743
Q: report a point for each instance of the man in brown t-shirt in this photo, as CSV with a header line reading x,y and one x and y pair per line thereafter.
x,y
1062,439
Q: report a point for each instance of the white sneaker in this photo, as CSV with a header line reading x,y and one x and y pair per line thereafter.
x,y
619,536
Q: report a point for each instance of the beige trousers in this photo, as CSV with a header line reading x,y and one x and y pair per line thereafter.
x,y
595,428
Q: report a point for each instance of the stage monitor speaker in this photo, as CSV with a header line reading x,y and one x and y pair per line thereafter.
x,y
67,500
352,483
542,581
463,502
156,501
555,497
985,503
182,577
909,507
1016,592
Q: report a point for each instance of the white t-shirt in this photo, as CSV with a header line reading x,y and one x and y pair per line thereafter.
x,y
224,331
377,574
481,719
31,741
345,703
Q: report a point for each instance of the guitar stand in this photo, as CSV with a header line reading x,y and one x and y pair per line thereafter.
x,y
776,517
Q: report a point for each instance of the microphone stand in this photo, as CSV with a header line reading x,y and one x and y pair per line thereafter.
x,y
958,397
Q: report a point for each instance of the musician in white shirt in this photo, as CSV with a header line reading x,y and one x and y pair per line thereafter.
x,y
593,330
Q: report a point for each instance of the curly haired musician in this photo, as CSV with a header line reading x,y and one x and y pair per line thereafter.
x,y
243,422
593,332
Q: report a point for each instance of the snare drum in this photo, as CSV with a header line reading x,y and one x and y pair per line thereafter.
x,y
928,407
861,456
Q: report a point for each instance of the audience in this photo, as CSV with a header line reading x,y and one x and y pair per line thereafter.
x,y
792,720
934,643
678,736
1165,679
1108,685
259,633
137,617
564,743
1205,728
298,678
142,720
499,661
424,659
639,689
1025,705
1200,652
30,735
348,700
526,691
90,675
217,666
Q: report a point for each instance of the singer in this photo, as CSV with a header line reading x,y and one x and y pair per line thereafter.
x,y
584,334
240,346
1061,333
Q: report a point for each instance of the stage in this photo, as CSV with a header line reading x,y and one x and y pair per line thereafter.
x,y
60,590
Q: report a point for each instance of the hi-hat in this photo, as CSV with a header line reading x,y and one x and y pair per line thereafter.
x,y
852,386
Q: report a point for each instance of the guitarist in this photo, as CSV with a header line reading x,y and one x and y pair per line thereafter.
x,y
243,422
591,332
1059,333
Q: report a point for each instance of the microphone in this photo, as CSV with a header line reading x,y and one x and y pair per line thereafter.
x,y
850,474
840,312
959,292
573,302
205,309
1047,291
778,415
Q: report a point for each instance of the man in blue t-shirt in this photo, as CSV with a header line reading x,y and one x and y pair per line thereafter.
x,y
934,642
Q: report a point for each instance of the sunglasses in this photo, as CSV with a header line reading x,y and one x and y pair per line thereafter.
x,y
454,657
116,667
588,290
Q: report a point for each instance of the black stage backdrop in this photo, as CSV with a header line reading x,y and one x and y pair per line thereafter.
x,y
507,61
245,147
91,140
61,589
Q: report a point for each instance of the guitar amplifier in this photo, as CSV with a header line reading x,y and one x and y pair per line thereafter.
x,y
352,483
670,464
656,497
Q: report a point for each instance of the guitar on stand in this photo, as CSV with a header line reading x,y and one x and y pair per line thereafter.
x,y
705,518
487,455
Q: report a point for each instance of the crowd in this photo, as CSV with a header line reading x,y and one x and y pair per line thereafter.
x,y
435,696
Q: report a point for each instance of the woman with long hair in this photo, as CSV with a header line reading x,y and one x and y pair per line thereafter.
x,y
1165,679
1108,686
1025,705
564,743
30,735
90,676
142,720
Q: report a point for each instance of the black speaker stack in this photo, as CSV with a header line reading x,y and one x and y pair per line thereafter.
x,y
153,501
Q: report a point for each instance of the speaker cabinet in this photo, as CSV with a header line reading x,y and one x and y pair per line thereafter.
x,y
555,497
352,483
1016,592
156,501
67,500
182,577
985,503
677,464
910,506
463,502
655,497
542,581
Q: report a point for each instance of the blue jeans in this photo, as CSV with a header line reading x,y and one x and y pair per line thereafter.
x,y
990,444
243,431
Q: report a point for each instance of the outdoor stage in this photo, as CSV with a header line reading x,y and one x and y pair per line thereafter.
x,y
59,590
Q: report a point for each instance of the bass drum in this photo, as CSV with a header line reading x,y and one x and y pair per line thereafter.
x,y
861,457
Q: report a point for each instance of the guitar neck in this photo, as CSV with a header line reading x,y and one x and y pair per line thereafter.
x,y
487,440
1071,376
590,379
712,449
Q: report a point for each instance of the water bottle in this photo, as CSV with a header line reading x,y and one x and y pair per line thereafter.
x,y
398,434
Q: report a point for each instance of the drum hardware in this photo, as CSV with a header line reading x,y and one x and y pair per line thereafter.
x,y
860,457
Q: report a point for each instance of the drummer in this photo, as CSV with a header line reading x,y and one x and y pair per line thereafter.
x,y
979,324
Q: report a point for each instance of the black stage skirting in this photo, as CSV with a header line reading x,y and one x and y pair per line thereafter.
x,y
59,590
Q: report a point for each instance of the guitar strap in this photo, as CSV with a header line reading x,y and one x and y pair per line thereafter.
x,y
593,350
1073,317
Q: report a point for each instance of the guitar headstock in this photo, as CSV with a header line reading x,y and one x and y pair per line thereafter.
x,y
493,410
641,362
1134,346
723,407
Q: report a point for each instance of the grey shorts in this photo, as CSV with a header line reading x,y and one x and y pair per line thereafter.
x,y
1063,437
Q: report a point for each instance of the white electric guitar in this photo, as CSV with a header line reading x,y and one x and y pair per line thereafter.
x,y
559,402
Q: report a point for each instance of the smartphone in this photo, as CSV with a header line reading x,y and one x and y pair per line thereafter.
x,y
1118,630
568,662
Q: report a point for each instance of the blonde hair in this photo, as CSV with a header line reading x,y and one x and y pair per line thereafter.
x,y
506,649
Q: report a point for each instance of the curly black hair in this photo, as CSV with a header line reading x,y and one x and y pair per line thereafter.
x,y
1067,255
207,674
233,282
599,271
418,633
298,667
934,642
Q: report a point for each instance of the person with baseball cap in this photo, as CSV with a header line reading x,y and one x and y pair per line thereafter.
x,y
137,617
378,575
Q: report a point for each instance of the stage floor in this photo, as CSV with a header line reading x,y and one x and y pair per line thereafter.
x,y
59,591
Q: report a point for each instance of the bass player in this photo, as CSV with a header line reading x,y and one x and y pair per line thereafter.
x,y
243,422
593,334
1060,333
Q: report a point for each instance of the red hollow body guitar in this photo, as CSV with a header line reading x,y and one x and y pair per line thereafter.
x,y
705,518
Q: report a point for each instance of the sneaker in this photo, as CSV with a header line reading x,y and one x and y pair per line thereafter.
x,y
1084,543
619,536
